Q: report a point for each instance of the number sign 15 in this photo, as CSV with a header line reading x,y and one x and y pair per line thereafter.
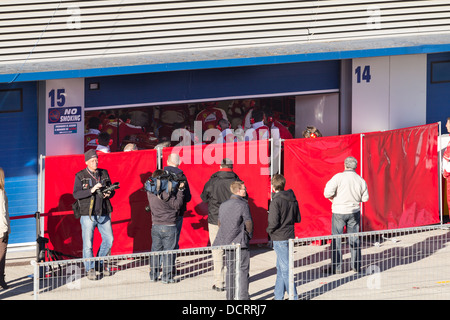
x,y
60,97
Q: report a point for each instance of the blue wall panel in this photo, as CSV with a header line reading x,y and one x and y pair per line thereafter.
x,y
18,157
438,93
213,83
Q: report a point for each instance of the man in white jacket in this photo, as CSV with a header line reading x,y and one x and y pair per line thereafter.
x,y
346,190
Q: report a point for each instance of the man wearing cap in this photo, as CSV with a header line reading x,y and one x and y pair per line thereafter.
x,y
95,208
215,192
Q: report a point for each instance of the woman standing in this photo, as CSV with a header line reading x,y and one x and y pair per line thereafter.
x,y
4,228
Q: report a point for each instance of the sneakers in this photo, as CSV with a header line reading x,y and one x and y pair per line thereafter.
x,y
91,274
106,272
167,281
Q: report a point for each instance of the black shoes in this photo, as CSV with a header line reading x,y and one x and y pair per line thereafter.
x,y
3,284
214,287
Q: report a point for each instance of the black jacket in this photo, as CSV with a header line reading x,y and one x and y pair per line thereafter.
x,y
186,193
216,191
283,214
82,192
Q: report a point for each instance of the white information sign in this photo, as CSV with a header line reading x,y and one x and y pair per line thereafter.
x,y
64,116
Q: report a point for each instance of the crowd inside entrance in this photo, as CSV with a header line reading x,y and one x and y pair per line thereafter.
x,y
146,127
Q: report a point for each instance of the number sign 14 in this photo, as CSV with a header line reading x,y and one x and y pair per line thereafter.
x,y
364,76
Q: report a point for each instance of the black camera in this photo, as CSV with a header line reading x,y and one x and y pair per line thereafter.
x,y
178,177
104,190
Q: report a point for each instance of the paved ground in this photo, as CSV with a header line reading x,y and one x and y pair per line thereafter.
x,y
19,276
412,267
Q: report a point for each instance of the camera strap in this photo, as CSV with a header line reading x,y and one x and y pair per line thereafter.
x,y
91,206
96,179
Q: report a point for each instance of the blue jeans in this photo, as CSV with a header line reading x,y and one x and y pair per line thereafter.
x,y
282,282
103,223
351,221
163,238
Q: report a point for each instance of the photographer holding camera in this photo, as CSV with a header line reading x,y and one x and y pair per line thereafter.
x,y
93,189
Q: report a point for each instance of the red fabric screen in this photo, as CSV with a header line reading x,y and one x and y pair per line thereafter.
x,y
308,165
400,167
200,162
401,171
131,223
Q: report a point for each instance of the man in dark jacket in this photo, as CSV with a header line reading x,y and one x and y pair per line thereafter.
x,y
173,161
164,210
95,209
215,192
283,214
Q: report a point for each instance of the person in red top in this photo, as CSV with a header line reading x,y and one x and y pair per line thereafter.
x,y
210,116
312,132
274,124
90,137
118,129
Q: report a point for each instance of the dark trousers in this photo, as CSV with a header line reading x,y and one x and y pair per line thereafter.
x,y
230,281
351,221
3,246
163,238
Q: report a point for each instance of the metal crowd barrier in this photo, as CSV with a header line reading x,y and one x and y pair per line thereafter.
x,y
129,276
410,263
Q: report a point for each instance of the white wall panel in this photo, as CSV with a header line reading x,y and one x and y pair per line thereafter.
x,y
318,110
370,91
53,29
408,91
395,95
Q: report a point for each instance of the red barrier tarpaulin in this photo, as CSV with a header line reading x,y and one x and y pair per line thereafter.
x,y
401,171
400,168
130,222
200,162
308,165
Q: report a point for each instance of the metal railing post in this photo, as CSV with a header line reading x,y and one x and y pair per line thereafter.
x,y
35,279
291,269
238,271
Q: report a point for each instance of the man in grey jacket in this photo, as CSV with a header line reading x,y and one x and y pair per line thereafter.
x,y
346,190
236,226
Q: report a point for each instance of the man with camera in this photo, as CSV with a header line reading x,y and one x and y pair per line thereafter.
x,y
164,207
173,161
93,189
